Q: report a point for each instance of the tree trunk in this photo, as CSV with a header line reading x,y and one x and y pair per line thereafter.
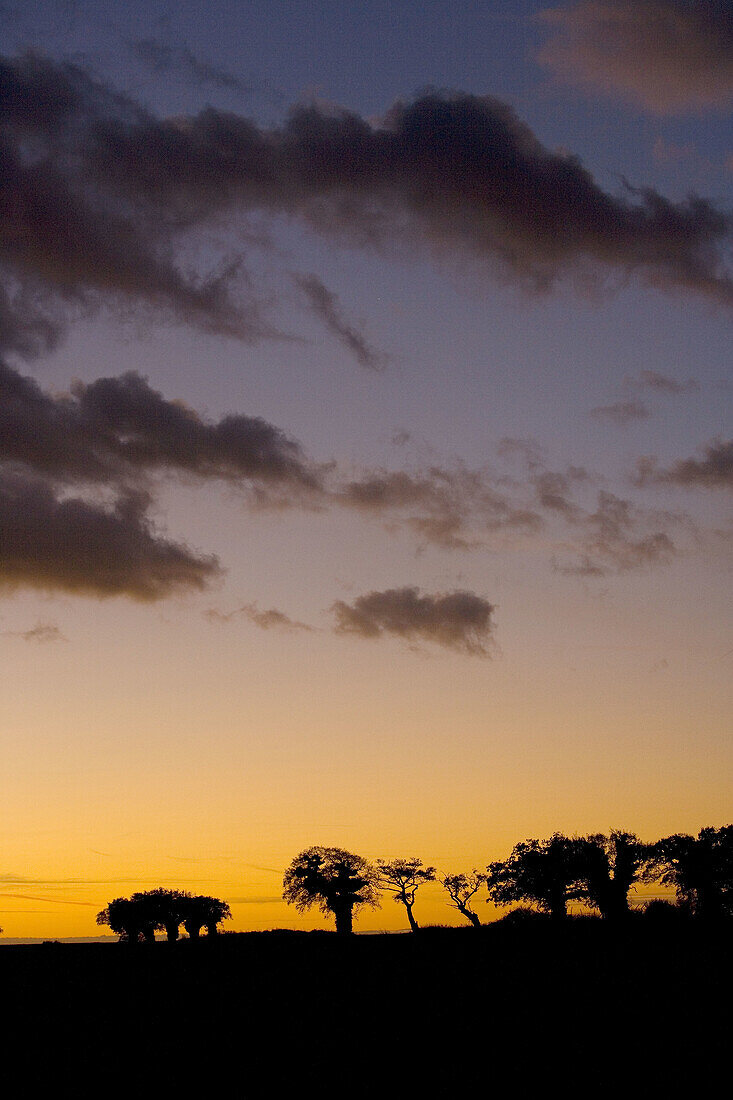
x,y
211,929
193,929
410,916
344,921
559,909
470,915
171,931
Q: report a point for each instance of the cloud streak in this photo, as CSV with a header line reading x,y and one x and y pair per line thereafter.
x,y
269,619
105,204
665,55
621,412
326,307
459,620
160,58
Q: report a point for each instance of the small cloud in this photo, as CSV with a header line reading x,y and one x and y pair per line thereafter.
x,y
661,383
665,55
714,470
266,620
325,304
621,412
41,633
455,620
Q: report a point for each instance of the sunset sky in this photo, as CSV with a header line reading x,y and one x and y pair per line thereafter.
x,y
365,438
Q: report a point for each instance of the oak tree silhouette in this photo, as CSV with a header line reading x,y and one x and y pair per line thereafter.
x,y
700,868
547,873
402,877
200,911
128,919
334,880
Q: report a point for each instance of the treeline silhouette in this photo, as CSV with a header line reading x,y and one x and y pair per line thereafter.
x,y
541,877
598,870
143,914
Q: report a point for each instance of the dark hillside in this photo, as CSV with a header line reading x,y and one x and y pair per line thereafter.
x,y
512,1006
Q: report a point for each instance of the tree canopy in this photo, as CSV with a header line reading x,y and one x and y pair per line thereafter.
x,y
609,867
149,911
402,878
547,873
700,869
461,890
332,879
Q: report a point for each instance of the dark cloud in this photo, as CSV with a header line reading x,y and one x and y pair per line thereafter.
x,y
69,241
325,305
455,620
667,55
109,436
117,428
622,412
714,470
55,542
104,203
266,620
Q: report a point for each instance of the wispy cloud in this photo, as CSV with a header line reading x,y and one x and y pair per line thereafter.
x,y
269,619
666,55
162,58
657,382
41,634
327,308
622,412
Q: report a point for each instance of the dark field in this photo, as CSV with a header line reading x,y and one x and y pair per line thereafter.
x,y
521,1010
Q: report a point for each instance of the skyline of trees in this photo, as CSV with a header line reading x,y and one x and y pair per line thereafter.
x,y
597,871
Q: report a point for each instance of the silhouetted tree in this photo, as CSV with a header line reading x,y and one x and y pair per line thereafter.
x,y
610,865
700,869
460,889
128,919
548,873
200,911
163,908
334,880
402,877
